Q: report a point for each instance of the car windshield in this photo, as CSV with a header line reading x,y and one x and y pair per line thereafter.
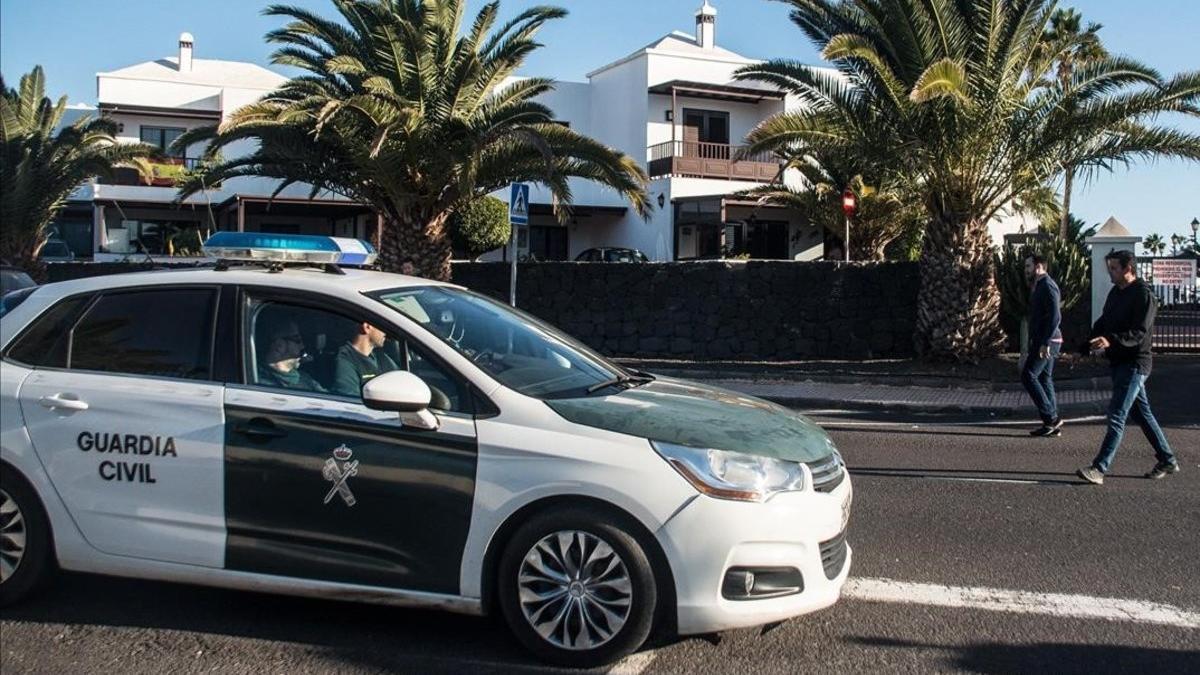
x,y
518,350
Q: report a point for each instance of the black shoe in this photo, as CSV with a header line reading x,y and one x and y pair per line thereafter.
x,y
1161,470
1047,430
1057,424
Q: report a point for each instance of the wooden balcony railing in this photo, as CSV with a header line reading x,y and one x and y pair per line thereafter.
x,y
166,172
710,160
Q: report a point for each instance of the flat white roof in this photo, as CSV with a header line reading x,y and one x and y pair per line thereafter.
x,y
682,44
204,72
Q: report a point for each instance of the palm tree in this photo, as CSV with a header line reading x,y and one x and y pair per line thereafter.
x,y
1178,241
402,108
945,89
886,212
1065,46
1154,244
41,164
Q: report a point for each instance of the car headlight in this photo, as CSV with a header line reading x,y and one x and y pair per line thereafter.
x,y
733,475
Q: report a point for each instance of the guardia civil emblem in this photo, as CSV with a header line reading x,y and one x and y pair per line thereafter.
x,y
338,469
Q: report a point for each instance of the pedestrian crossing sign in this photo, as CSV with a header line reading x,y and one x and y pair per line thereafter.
x,y
518,204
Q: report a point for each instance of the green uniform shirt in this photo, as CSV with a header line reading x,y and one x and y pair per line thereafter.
x,y
295,379
353,369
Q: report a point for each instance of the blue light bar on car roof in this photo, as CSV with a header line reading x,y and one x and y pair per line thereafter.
x,y
289,248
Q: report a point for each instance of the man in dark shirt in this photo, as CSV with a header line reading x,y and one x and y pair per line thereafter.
x,y
280,352
1124,333
1045,343
361,359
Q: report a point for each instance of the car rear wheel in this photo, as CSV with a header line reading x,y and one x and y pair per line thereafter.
x,y
576,589
24,540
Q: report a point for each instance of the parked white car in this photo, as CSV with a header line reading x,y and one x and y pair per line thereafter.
x,y
195,426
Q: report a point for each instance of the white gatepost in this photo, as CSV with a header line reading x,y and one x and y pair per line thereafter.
x,y
1113,236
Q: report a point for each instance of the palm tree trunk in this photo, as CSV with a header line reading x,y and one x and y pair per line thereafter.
x,y
420,239
1068,183
958,307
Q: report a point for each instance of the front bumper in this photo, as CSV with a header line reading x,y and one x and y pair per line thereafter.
x,y
709,536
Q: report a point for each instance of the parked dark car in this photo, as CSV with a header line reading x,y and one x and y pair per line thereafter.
x,y
14,279
56,250
612,255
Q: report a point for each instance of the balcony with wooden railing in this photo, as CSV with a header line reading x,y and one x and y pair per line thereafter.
x,y
695,159
164,172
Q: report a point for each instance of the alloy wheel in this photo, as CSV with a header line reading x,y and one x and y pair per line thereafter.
x,y
12,536
575,590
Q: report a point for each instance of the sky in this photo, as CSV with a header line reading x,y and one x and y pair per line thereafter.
x,y
75,39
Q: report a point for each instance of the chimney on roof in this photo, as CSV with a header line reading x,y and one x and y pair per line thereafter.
x,y
185,52
706,26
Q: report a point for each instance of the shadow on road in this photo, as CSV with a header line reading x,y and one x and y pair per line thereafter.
x,y
334,633
1057,658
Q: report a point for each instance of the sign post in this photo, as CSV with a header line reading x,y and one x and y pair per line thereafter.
x,y
518,215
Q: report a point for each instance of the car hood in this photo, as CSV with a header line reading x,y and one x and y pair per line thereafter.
x,y
697,415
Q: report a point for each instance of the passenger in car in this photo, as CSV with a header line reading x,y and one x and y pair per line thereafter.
x,y
280,354
360,359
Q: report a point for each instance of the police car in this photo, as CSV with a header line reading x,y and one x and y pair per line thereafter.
x,y
196,426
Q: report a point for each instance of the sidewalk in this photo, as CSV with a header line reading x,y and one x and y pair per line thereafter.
x,y
991,389
929,400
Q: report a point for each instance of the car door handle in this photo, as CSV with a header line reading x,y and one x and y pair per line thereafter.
x,y
60,401
261,429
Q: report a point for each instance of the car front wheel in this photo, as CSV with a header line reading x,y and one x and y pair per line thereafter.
x,y
576,589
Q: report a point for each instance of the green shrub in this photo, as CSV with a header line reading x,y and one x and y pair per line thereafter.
x,y
481,226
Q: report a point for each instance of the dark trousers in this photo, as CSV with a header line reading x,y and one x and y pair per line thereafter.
x,y
1038,378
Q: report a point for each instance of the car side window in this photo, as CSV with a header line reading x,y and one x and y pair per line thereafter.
x,y
304,349
45,342
164,332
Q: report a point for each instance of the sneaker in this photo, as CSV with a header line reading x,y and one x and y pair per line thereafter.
x,y
1161,470
1056,425
1047,430
1091,474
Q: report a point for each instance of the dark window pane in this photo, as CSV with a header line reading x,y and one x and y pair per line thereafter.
x,y
166,333
45,341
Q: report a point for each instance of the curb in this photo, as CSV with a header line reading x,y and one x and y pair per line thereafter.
x,y
1076,384
1090,408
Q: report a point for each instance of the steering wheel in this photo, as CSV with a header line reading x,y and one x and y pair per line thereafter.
x,y
483,357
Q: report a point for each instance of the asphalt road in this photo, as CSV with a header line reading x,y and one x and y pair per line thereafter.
x,y
948,503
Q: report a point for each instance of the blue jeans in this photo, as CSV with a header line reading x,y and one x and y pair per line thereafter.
x,y
1038,378
1129,397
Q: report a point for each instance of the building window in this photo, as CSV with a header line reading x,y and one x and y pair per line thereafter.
x,y
163,137
705,126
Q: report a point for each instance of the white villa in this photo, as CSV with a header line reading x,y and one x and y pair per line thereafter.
x,y
673,104
123,218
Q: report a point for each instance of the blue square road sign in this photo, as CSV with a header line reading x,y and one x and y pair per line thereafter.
x,y
518,204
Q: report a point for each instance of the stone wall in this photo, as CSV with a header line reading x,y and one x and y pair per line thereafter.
x,y
755,310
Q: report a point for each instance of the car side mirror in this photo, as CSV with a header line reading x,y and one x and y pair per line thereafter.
x,y
401,391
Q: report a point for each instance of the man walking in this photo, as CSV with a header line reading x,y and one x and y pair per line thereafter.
x,y
1124,333
1045,343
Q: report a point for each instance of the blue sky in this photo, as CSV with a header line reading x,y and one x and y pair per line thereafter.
x,y
75,39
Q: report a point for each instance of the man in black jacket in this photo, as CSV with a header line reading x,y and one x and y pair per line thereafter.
x,y
1045,343
1124,333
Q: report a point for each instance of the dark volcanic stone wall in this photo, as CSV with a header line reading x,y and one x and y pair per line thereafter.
x,y
756,310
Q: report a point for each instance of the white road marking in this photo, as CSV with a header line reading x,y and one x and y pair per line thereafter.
x,y
1021,602
634,664
931,424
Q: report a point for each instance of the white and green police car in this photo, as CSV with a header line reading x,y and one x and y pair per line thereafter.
x,y
350,434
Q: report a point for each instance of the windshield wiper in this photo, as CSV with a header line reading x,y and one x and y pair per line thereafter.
x,y
619,380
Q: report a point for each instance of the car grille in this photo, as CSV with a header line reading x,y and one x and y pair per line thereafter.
x,y
827,473
833,555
